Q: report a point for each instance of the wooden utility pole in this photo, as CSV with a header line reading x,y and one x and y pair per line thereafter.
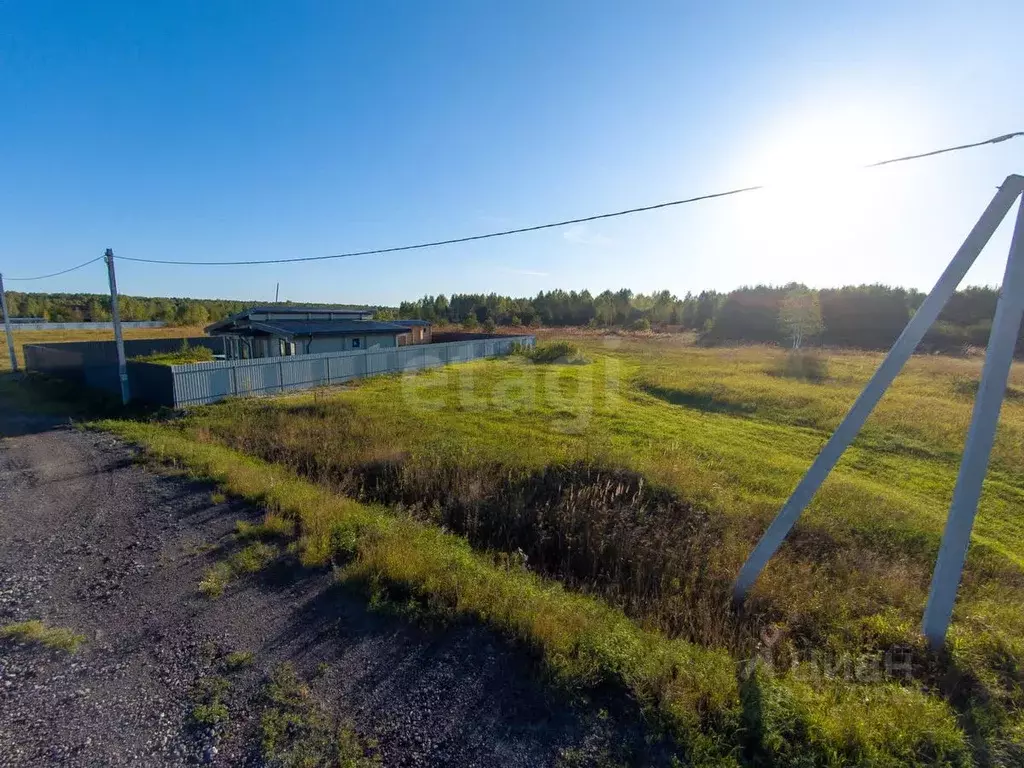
x,y
115,313
7,326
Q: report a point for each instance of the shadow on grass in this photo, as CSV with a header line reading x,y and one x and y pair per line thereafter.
x,y
45,395
967,386
700,400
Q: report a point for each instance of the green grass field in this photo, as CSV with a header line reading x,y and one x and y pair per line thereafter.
x,y
639,477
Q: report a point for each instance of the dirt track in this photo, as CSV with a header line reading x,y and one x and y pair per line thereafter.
x,y
92,541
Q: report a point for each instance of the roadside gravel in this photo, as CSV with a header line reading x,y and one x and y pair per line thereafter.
x,y
92,541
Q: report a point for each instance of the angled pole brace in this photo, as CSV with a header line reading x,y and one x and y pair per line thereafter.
x,y
901,351
980,437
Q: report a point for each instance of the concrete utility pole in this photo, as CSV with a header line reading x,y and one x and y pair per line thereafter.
x,y
980,436
115,313
7,326
974,464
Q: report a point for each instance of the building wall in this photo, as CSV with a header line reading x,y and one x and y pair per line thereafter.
x,y
417,334
264,346
344,343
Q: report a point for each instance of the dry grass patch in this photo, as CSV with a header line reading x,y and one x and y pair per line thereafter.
x,y
56,638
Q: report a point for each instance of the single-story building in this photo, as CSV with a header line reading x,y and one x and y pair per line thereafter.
x,y
418,333
298,330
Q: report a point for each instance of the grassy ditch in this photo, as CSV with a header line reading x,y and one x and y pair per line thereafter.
x,y
700,694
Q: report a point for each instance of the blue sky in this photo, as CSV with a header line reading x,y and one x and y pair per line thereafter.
x,y
231,129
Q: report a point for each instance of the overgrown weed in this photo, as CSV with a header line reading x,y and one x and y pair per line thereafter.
x,y
295,731
35,631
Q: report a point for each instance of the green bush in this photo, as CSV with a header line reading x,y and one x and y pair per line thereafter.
x,y
208,707
802,364
552,352
470,322
643,324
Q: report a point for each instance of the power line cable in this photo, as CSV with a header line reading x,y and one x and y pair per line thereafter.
x,y
563,223
535,227
453,241
958,148
55,274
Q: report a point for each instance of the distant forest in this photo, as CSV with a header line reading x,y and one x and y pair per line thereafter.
x,y
865,316
92,307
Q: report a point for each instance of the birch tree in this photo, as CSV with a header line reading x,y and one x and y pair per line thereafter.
x,y
800,316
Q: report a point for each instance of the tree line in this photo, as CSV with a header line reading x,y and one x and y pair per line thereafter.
x,y
94,307
567,308
865,316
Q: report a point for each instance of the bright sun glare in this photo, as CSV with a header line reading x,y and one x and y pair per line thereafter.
x,y
821,149
812,166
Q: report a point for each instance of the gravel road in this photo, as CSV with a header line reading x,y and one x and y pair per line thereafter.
x,y
95,542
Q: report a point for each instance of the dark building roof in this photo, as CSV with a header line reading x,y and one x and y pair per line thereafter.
x,y
308,321
292,328
300,309
243,318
